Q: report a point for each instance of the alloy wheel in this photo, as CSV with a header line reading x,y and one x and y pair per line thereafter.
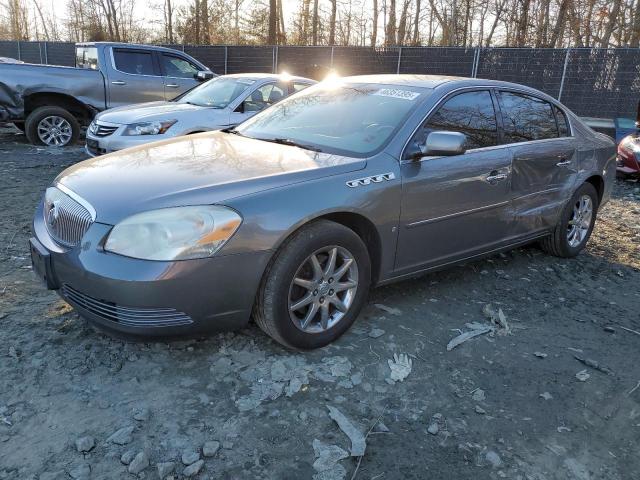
x,y
323,289
54,131
580,221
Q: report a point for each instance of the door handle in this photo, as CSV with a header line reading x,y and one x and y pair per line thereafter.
x,y
562,163
494,177
118,82
172,85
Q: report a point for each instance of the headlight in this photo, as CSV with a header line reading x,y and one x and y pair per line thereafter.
x,y
179,233
149,128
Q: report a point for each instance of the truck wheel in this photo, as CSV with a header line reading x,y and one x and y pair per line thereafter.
x,y
314,287
52,126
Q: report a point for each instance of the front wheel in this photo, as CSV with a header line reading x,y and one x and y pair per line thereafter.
x,y
576,223
52,126
314,287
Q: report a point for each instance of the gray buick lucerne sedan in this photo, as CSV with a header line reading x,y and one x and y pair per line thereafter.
x,y
291,217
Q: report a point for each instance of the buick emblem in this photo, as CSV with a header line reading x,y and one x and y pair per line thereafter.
x,y
52,214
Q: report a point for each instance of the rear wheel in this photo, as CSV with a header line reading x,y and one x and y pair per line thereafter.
x,y
576,223
52,126
314,287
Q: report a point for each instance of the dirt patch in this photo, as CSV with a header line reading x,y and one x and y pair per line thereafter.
x,y
551,398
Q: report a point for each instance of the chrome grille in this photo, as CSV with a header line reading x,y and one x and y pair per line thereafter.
x,y
130,316
66,219
104,130
100,130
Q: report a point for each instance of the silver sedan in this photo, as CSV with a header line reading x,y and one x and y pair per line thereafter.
x,y
222,102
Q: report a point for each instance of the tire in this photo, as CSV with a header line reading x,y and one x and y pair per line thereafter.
x,y
58,118
293,260
558,243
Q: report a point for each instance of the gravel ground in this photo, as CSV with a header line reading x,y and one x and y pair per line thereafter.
x,y
516,402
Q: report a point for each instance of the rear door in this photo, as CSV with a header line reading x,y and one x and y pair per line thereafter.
x,y
179,74
544,159
134,77
455,206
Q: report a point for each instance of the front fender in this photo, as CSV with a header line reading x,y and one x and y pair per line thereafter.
x,y
270,216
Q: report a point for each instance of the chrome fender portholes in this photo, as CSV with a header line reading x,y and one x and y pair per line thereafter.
x,y
358,182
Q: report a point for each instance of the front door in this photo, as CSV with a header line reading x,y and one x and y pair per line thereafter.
x,y
455,206
179,75
258,99
544,160
134,78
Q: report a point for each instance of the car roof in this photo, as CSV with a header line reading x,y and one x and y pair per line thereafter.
x,y
269,76
446,82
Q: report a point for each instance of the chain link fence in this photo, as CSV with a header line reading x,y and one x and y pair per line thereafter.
x,y
593,82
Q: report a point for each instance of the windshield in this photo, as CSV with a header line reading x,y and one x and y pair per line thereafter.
x,y
217,93
349,119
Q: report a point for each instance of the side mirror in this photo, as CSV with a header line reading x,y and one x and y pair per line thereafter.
x,y
440,144
203,75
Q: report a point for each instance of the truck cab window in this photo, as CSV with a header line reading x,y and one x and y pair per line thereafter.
x,y
134,62
177,67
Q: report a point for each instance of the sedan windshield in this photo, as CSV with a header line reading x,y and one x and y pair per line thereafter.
x,y
345,118
217,93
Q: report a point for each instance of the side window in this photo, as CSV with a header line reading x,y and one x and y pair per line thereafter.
x,y
134,61
177,67
264,96
563,123
297,86
471,113
526,118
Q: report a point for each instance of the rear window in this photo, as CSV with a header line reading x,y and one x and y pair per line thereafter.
x,y
134,61
563,123
526,118
87,57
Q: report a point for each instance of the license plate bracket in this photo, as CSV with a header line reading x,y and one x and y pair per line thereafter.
x,y
41,263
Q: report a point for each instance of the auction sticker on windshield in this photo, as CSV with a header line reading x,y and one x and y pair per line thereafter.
x,y
397,93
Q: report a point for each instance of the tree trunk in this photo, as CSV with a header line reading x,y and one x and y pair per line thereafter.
x,y
560,23
390,33
416,22
332,22
374,29
273,12
611,23
635,36
314,28
206,38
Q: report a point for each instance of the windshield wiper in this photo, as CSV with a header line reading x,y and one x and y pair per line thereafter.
x,y
292,143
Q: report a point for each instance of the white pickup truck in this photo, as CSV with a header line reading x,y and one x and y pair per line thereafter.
x,y
52,103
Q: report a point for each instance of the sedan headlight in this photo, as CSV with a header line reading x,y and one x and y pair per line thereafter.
x,y
148,128
178,233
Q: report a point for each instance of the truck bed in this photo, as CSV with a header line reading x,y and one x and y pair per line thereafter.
x,y
18,81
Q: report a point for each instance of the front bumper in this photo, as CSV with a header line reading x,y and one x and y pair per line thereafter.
x,y
96,146
149,297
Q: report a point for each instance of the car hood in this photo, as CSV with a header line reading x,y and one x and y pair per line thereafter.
x,y
205,168
146,112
